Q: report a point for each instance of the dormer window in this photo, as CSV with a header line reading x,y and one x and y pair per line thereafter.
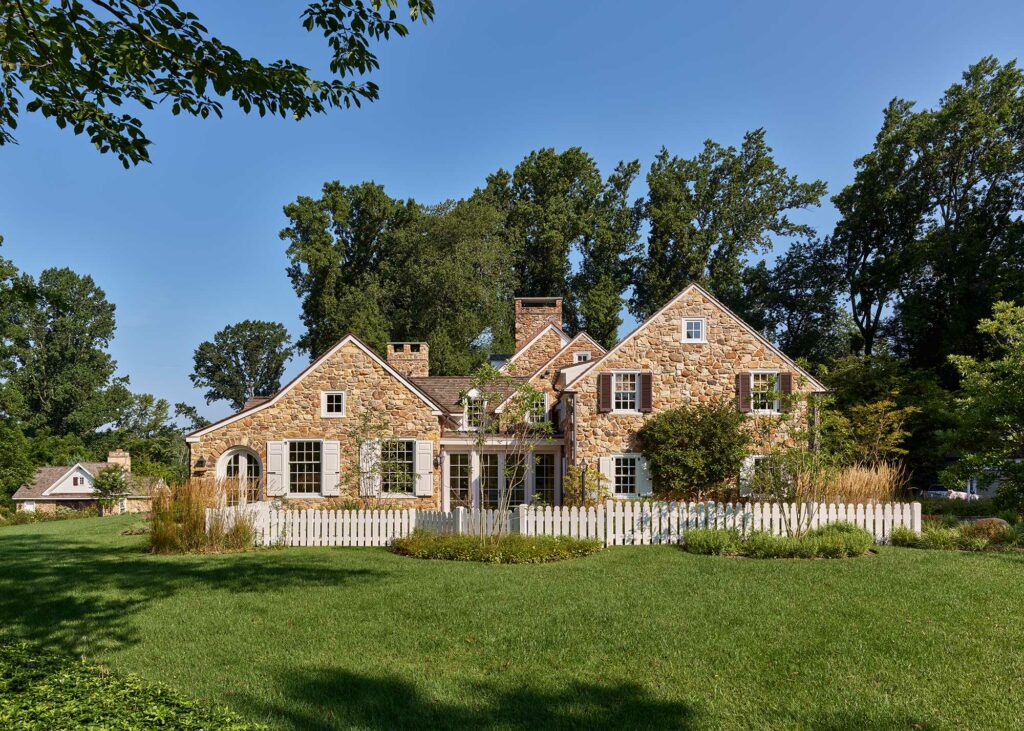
x,y
473,416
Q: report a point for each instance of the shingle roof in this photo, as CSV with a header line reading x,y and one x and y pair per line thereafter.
x,y
447,390
254,401
45,477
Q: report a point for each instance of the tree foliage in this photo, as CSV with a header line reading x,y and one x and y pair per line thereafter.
x,y
243,360
709,213
80,62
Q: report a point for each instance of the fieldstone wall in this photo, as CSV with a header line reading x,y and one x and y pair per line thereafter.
x,y
540,352
681,374
547,380
369,389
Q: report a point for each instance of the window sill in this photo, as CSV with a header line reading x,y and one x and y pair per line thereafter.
x,y
331,416
765,412
625,412
396,496
304,496
695,342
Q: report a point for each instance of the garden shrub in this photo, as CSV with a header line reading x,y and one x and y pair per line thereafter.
x,y
44,691
839,540
23,517
993,530
904,537
712,542
696,449
510,548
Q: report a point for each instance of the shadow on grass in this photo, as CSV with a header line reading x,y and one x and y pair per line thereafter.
x,y
73,596
335,698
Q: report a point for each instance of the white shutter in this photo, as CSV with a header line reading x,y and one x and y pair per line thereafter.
x,y
329,475
369,461
424,468
275,469
607,469
644,486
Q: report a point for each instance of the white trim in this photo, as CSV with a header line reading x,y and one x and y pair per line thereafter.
x,y
638,459
561,334
324,413
778,392
703,339
194,436
576,359
286,464
636,391
75,466
382,493
817,385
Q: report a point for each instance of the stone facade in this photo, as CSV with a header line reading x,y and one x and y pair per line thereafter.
x,y
533,314
681,373
546,380
296,414
539,352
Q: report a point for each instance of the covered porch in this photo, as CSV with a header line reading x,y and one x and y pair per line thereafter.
x,y
483,475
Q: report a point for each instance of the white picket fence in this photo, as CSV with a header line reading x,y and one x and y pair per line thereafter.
x,y
615,523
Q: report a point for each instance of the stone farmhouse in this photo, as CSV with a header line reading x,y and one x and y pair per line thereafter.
x,y
310,440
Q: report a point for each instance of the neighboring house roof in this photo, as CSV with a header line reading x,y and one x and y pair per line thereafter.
x,y
447,391
529,343
815,383
254,401
350,338
47,477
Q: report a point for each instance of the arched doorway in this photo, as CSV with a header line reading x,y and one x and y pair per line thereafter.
x,y
241,475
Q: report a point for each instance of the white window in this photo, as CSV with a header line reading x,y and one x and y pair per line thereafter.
x,y
474,416
122,505
398,466
515,478
29,506
241,476
764,391
624,475
544,478
489,483
694,330
332,404
459,476
625,391
582,357
305,465
538,413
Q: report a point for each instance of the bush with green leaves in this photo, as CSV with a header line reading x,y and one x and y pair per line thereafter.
x,y
982,535
696,450
510,548
839,540
39,690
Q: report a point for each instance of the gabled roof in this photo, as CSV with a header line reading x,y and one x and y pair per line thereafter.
x,y
350,338
569,346
447,391
45,478
561,334
815,383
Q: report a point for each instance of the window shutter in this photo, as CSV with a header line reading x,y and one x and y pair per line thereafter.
x,y
604,392
275,469
646,392
369,475
424,468
331,470
607,469
743,392
786,388
644,486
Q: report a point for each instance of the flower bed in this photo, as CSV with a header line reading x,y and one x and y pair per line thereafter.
x,y
510,548
839,540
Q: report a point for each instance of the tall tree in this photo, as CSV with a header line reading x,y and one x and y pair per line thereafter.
x,y
608,255
63,373
970,159
242,360
80,61
880,216
708,213
337,244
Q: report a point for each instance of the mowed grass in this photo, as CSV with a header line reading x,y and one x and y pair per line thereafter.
x,y
645,637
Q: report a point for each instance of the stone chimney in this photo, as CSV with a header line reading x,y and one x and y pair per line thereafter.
x,y
121,458
533,314
410,359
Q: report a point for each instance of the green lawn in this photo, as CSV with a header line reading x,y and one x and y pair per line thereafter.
x,y
631,637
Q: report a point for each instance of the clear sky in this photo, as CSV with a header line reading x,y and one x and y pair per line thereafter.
x,y
190,243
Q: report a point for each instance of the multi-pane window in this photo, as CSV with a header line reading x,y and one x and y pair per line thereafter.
x,y
764,391
515,478
489,484
625,476
544,479
397,465
304,467
474,412
625,391
693,330
538,412
334,403
459,476
581,357
242,477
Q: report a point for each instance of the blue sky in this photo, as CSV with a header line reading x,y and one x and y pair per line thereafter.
x,y
190,243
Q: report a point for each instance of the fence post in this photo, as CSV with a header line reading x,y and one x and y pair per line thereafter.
x,y
915,519
460,513
412,519
521,526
